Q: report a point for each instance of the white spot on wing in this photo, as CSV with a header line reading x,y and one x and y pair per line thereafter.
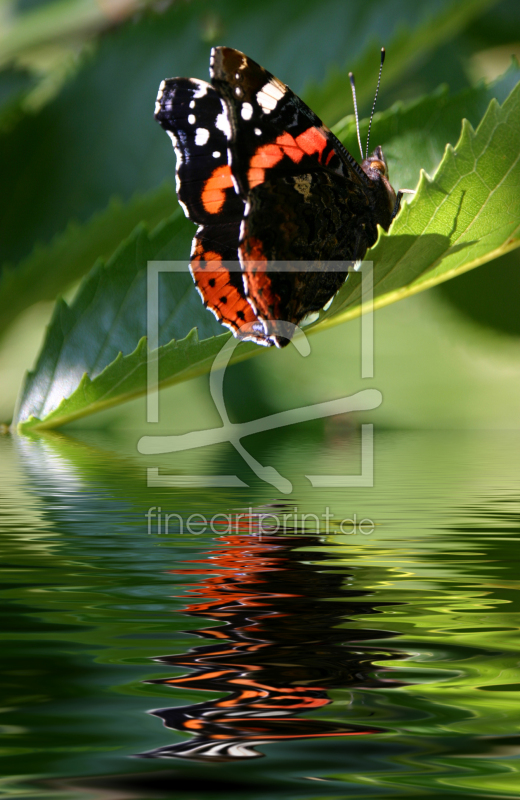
x,y
202,89
258,132
192,104
275,88
191,119
201,136
222,123
270,94
182,205
246,112
266,103
216,154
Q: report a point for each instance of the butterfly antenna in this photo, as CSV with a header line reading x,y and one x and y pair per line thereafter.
x,y
375,98
353,86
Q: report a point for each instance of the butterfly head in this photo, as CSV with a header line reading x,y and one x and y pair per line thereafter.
x,y
376,162
376,168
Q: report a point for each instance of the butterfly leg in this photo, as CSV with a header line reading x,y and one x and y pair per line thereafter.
x,y
397,204
398,201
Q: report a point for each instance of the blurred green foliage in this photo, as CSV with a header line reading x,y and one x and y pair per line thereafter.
x,y
82,160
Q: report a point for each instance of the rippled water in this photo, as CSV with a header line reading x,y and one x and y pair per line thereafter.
x,y
258,662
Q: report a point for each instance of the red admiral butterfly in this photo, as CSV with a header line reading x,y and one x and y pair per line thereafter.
x,y
267,182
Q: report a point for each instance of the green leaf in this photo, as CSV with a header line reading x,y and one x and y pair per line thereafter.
x,y
50,269
125,378
107,319
456,221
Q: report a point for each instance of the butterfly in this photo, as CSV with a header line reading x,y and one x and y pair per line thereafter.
x,y
270,187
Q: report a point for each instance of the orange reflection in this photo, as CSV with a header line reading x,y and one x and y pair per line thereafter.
x,y
277,652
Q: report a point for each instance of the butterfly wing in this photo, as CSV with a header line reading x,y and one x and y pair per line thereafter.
x,y
289,220
304,193
194,116
196,119
271,127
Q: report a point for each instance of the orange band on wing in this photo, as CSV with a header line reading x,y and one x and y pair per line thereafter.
x,y
255,176
310,142
213,282
193,724
214,192
245,695
253,251
265,157
205,255
259,285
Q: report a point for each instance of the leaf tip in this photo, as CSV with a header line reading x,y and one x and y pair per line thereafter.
x,y
142,346
26,425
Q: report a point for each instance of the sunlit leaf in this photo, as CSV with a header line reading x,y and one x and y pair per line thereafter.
x,y
107,319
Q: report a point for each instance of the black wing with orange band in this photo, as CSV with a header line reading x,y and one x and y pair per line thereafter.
x,y
272,127
197,121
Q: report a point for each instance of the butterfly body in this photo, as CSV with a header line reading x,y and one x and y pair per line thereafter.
x,y
270,187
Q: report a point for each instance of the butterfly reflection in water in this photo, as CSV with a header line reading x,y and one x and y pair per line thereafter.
x,y
277,652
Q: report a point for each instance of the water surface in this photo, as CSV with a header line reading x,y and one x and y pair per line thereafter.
x,y
246,660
